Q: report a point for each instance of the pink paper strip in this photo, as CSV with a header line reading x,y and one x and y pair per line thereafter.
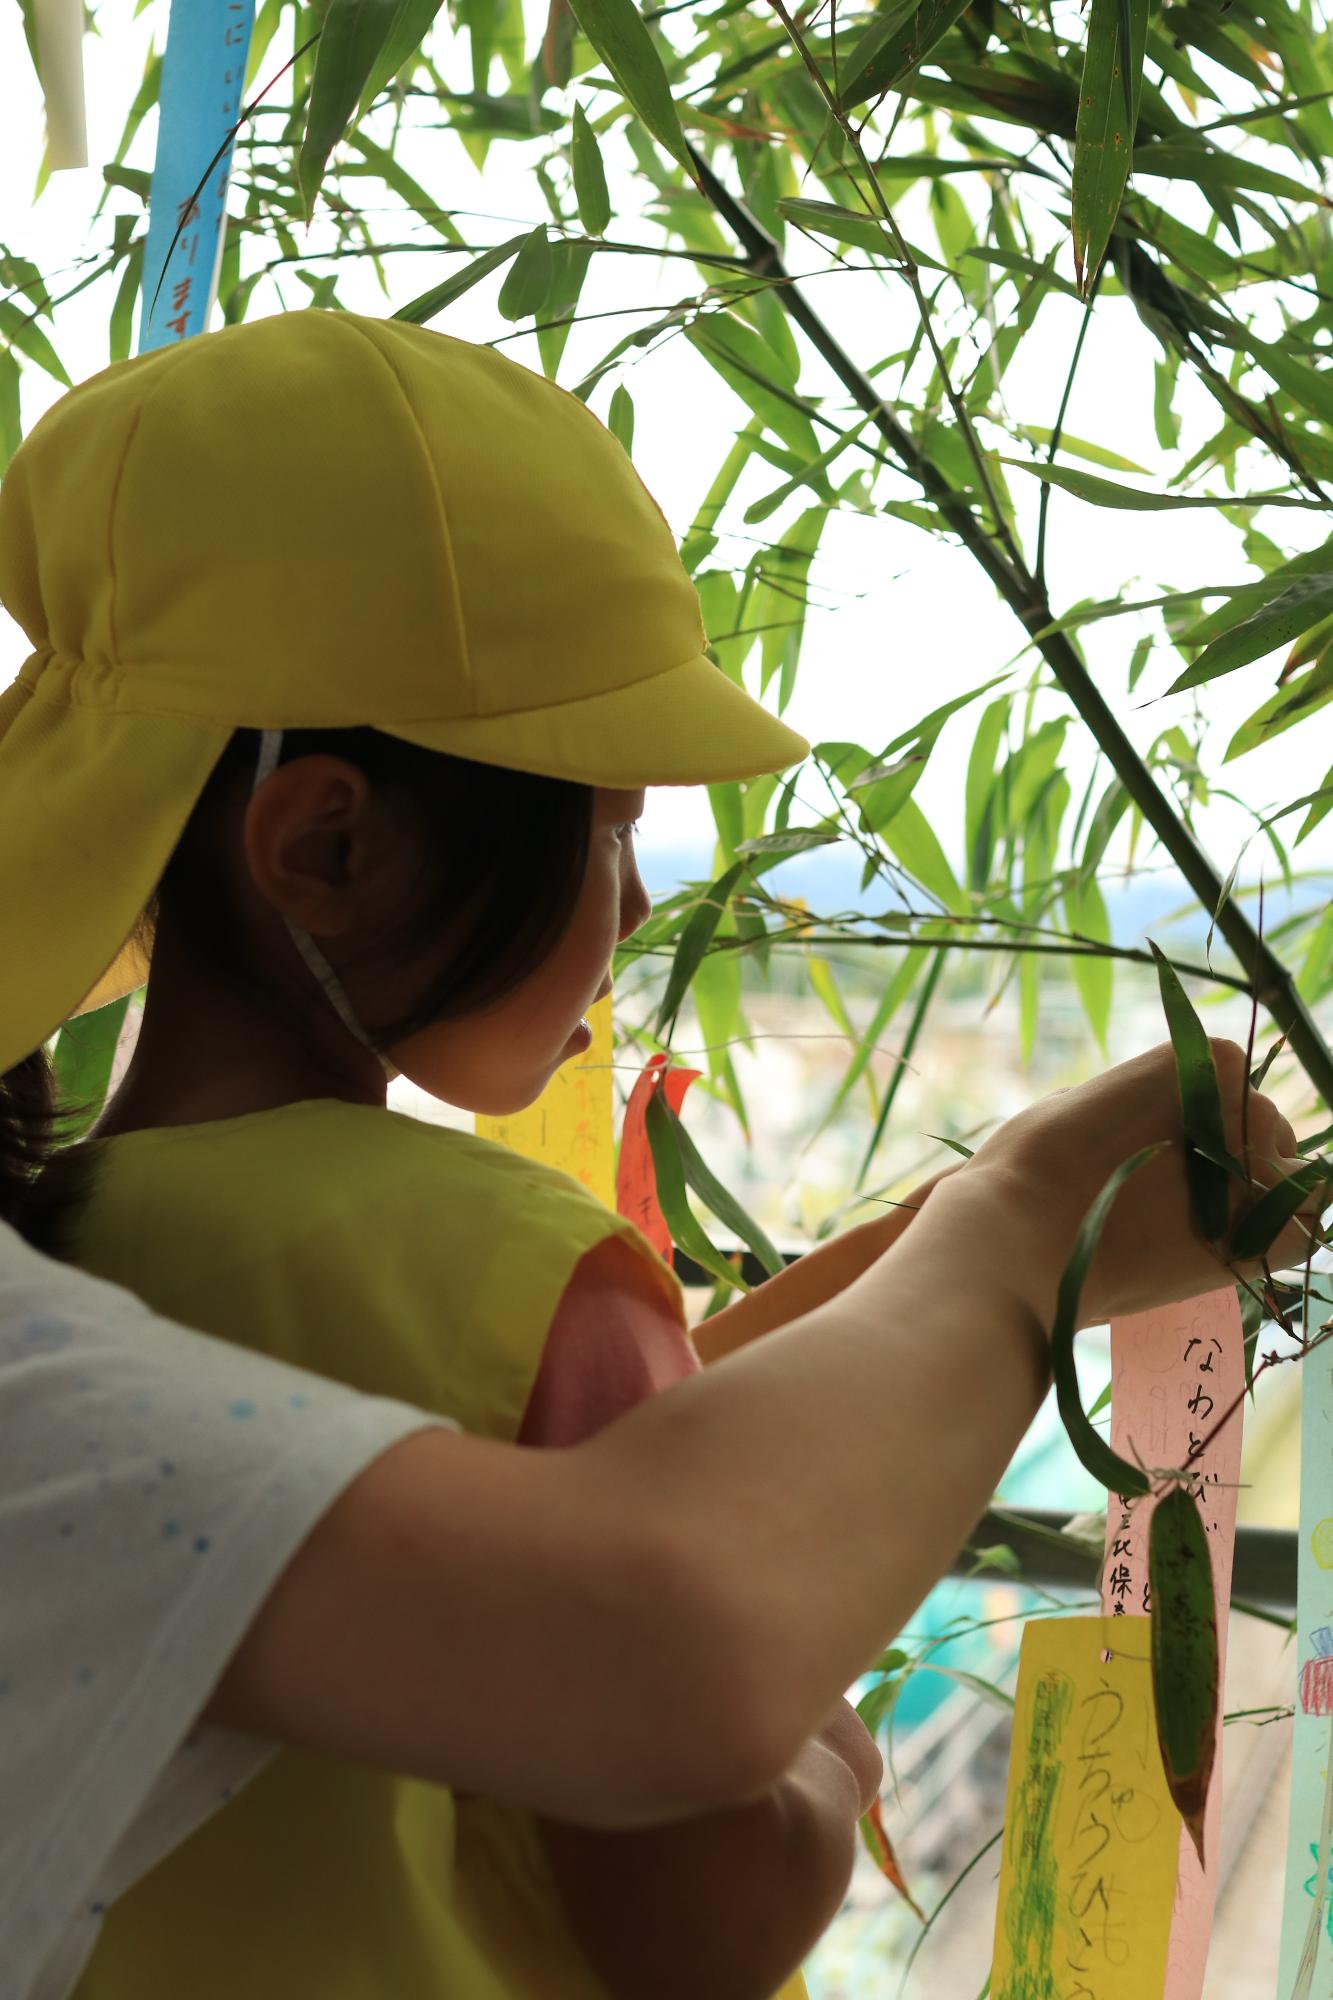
x,y
1174,1373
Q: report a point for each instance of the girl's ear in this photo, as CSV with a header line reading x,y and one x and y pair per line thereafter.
x,y
306,842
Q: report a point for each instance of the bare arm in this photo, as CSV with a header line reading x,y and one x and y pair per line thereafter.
x,y
724,1907
819,1276
793,1503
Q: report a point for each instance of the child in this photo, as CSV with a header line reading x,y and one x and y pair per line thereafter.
x,y
355,648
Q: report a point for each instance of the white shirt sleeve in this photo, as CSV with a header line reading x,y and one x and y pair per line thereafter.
x,y
154,1483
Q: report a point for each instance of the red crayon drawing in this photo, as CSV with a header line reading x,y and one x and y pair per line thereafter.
x,y
1317,1687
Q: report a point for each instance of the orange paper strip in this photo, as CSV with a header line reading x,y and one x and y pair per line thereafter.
x,y
636,1181
1174,1372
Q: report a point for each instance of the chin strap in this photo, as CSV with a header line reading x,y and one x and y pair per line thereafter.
x,y
270,749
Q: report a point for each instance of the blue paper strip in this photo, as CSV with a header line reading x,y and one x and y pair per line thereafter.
x,y
1307,1907
203,73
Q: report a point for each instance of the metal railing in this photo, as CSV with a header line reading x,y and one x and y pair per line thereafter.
x,y
1263,1574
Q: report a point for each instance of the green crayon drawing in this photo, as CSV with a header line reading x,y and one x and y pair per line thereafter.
x,y
1030,1908
1309,1888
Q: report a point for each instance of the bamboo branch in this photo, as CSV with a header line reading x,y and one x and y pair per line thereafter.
x,y
1043,505
1269,980
909,271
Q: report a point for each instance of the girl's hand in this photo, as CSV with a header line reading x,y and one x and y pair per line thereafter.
x,y
845,1736
1048,1164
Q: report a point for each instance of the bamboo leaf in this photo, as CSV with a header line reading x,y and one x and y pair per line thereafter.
x,y
616,30
1314,645
528,279
412,22
135,180
379,161
985,1690
1294,702
820,974
686,1232
808,474
1251,1324
590,190
875,1707
880,1849
1184,1654
895,42
20,330
1320,804
793,840
11,419
743,361
1108,112
569,267
897,990
1116,1474
695,938
1013,260
910,836
850,225
1109,493
354,33
1096,454
930,725
844,225
1260,1071
1085,912
885,788
120,324
85,1051
980,815
719,1200
1215,171
1308,387
433,302
1243,598
1302,604
1255,1233
1200,1104
620,418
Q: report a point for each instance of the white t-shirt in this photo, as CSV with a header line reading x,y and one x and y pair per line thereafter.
x,y
153,1485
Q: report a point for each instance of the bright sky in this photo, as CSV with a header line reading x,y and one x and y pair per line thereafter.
x,y
899,622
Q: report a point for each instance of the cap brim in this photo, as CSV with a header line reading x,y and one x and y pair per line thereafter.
x,y
91,804
688,726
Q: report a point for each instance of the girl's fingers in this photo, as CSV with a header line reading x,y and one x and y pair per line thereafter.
x,y
1284,1139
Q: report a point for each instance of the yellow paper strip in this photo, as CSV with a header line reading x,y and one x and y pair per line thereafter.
x,y
1091,1836
570,1125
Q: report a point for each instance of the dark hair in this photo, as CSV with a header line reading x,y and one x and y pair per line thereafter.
x,y
27,1129
503,894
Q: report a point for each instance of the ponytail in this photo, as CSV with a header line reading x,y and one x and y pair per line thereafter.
x,y
43,1181
27,1131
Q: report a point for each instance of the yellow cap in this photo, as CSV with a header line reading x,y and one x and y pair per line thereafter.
x,y
319,521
